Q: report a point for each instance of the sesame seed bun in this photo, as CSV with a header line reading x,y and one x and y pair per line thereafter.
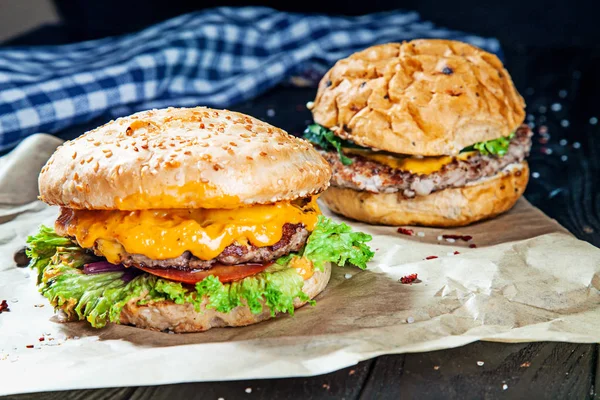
x,y
423,97
182,158
446,208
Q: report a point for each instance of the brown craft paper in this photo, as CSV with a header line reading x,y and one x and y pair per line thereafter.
x,y
527,280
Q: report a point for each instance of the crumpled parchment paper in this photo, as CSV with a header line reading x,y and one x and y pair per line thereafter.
x,y
527,279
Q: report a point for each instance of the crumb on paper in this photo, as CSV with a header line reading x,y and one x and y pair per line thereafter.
x,y
4,307
408,279
405,231
526,364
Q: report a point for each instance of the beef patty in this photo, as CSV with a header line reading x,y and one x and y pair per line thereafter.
x,y
293,238
371,176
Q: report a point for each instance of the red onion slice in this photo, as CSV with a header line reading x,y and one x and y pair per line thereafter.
x,y
102,266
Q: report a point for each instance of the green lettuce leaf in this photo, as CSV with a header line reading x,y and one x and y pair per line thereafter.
x,y
497,147
337,243
326,139
47,244
278,291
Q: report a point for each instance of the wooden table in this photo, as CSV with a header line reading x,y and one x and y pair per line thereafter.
x,y
562,90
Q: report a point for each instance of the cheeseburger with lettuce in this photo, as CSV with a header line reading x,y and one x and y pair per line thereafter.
x,y
187,219
427,132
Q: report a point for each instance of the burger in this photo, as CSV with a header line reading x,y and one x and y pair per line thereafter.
x,y
187,219
426,132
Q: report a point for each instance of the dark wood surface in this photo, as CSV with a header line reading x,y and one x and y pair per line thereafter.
x,y
559,85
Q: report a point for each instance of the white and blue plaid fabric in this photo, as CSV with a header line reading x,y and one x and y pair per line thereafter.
x,y
216,57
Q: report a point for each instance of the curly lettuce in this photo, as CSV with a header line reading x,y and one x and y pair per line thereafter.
x,y
497,147
326,139
100,298
334,243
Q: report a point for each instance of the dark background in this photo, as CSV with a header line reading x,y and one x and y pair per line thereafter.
x,y
515,22
552,51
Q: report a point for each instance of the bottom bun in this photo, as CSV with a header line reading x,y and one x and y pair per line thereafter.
x,y
446,208
182,318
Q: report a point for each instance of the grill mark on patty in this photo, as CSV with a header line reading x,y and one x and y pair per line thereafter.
x,y
371,176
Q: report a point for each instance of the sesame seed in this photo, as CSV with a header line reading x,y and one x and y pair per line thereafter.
x,y
439,238
450,240
421,234
248,390
480,363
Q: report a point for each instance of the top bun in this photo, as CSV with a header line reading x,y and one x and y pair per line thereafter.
x,y
424,97
182,158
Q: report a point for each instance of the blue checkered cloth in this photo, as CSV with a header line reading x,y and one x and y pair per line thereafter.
x,y
216,57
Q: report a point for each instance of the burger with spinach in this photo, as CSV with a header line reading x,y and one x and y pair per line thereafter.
x,y
426,132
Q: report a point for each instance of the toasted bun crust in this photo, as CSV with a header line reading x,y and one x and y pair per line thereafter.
x,y
182,318
424,97
182,158
446,208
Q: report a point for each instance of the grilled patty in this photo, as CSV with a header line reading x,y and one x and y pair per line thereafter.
x,y
371,176
293,238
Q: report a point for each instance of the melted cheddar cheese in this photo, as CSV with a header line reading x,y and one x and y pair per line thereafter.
x,y
415,165
303,266
163,234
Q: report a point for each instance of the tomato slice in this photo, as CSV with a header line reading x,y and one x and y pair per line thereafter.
x,y
225,273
